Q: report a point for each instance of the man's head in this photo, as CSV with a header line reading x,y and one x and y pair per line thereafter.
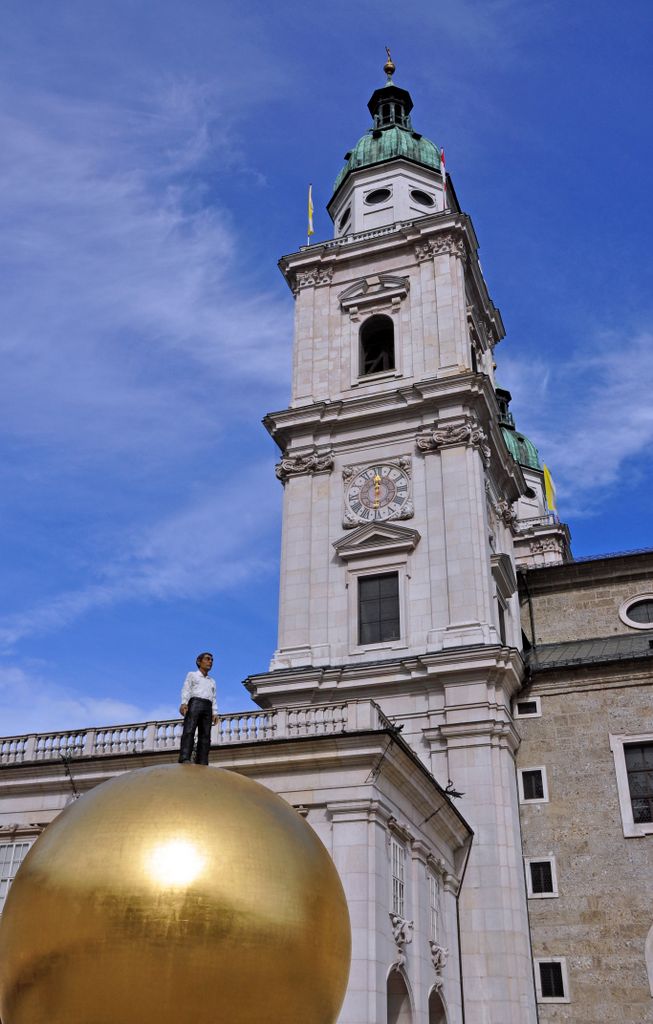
x,y
204,662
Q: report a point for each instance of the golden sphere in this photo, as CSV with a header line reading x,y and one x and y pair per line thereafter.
x,y
172,894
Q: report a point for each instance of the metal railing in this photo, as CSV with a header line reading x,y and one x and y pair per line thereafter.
x,y
153,737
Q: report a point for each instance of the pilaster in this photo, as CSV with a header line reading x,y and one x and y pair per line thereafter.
x,y
481,741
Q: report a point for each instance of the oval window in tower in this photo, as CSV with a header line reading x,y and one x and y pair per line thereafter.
x,y
344,220
379,195
423,198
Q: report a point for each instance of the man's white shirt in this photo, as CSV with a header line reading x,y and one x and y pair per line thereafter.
x,y
198,685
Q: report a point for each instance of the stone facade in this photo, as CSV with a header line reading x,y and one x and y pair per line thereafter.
x,y
602,915
582,600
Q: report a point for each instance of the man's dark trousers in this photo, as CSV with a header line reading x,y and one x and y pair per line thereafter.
x,y
198,717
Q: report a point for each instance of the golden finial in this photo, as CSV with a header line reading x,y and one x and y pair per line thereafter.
x,y
389,66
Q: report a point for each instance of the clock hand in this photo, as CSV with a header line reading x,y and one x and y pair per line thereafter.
x,y
377,489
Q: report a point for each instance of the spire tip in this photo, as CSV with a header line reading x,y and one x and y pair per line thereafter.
x,y
389,67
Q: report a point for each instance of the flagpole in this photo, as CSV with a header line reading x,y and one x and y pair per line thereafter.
x,y
443,168
310,230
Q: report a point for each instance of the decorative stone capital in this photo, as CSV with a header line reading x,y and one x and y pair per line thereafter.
x,y
444,245
468,433
314,278
506,512
402,933
439,957
306,462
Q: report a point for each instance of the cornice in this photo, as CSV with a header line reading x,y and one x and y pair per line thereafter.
x,y
496,664
445,233
400,235
407,406
632,565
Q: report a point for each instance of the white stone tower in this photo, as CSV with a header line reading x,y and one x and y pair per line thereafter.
x,y
397,566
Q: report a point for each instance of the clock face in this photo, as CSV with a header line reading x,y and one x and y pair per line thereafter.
x,y
377,493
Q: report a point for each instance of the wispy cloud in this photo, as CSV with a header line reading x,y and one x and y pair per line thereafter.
x,y
123,290
589,414
197,551
31,702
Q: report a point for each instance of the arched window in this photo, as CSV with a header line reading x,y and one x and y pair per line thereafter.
x,y
377,345
437,1012
398,1000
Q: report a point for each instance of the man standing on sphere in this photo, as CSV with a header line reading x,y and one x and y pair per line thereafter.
x,y
199,710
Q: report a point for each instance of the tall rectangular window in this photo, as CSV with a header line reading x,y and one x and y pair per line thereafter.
x,y
433,908
398,856
633,765
11,857
378,608
639,767
551,980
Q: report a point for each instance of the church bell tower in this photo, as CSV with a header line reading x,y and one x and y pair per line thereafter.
x,y
397,566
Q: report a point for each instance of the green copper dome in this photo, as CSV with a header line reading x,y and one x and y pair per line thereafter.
x,y
391,134
386,144
522,450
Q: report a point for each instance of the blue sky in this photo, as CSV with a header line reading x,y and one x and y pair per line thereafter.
x,y
154,167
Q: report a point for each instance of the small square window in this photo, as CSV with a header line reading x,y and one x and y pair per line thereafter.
x,y
529,707
541,880
551,980
533,785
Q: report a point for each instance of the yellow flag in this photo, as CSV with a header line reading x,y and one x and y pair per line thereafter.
x,y
311,230
549,489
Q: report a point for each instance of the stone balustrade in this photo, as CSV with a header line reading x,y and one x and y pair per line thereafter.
x,y
239,727
547,519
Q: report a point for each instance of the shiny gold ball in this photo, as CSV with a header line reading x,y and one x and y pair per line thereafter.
x,y
174,894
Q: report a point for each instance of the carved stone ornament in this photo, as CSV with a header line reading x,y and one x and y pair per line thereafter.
x,y
402,933
307,462
468,433
445,245
312,278
506,512
439,956
539,547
